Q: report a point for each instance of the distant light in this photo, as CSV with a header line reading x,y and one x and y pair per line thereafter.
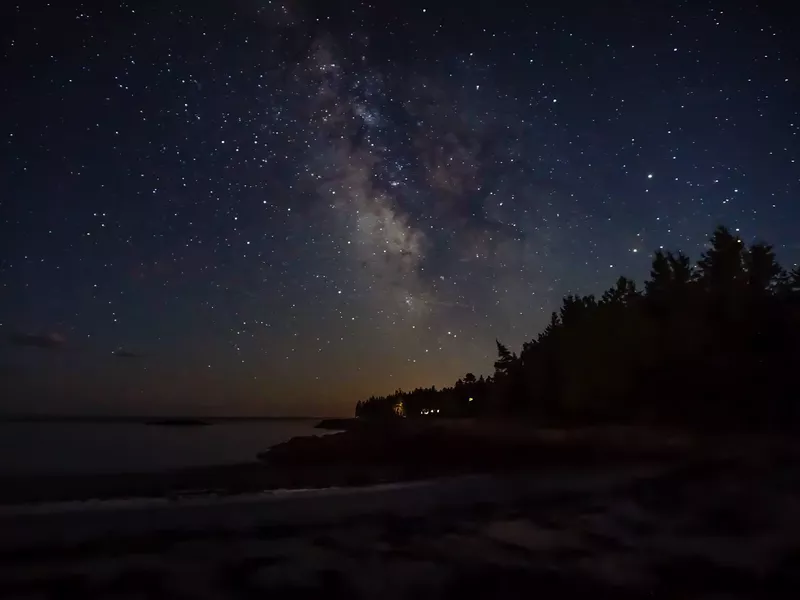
x,y
649,175
471,399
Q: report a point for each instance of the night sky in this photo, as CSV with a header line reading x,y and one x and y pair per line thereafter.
x,y
279,207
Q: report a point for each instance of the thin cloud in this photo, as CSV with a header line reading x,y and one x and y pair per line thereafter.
x,y
47,341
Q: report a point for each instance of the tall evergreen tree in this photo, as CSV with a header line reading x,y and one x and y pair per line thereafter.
x,y
623,292
721,267
660,276
505,360
763,270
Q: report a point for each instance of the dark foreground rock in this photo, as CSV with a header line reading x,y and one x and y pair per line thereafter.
x,y
452,447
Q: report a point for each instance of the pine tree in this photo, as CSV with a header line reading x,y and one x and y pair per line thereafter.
x,y
506,360
763,270
623,292
721,267
660,276
680,267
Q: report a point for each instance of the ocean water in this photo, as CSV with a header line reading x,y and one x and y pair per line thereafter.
x,y
126,447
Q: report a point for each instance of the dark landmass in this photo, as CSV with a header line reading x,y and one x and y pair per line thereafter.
x,y
416,449
179,423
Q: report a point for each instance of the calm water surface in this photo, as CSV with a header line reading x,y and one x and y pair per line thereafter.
x,y
62,447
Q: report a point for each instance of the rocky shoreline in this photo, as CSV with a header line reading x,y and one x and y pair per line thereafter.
x,y
714,530
603,512
380,452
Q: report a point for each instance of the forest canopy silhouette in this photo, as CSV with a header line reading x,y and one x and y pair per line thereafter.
x,y
711,344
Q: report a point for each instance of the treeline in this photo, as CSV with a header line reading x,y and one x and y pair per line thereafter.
x,y
713,343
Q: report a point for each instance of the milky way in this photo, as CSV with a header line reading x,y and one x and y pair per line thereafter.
x,y
281,207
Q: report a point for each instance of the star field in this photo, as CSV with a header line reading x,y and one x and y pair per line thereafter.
x,y
272,207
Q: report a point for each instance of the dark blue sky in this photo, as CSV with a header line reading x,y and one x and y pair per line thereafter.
x,y
279,207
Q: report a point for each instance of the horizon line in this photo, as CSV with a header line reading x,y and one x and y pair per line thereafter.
x,y
145,417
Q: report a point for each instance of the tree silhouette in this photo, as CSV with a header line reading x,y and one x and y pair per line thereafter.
x,y
722,275
763,270
505,360
623,292
706,345
721,267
